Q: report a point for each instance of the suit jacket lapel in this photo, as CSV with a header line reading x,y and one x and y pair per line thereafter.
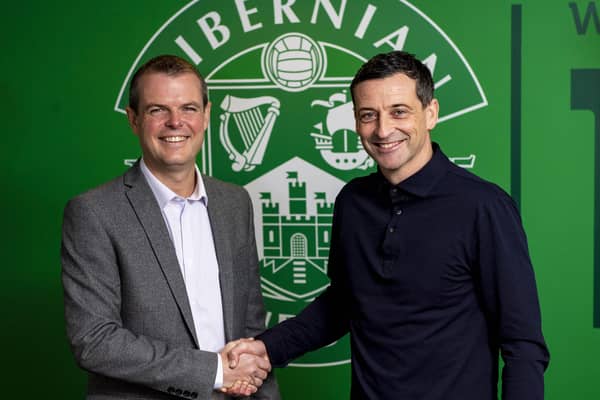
x,y
221,237
146,208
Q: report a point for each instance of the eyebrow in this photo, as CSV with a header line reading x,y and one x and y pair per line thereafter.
x,y
397,105
190,103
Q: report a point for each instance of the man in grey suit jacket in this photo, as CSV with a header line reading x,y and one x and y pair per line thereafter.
x,y
131,281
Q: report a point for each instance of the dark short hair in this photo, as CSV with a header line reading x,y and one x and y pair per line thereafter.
x,y
164,64
397,62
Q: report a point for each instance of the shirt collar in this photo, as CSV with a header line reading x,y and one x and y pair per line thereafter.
x,y
163,194
424,180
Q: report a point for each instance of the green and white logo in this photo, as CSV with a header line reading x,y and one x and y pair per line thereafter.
x,y
278,75
293,62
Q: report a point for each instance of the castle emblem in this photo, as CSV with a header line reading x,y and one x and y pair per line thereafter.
x,y
296,246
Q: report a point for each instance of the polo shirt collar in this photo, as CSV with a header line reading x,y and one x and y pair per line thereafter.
x,y
422,182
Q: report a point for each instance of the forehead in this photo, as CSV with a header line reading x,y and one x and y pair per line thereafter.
x,y
158,86
397,88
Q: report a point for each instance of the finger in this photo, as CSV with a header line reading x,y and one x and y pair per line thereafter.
x,y
230,345
261,373
256,372
234,343
233,354
226,354
242,347
250,389
256,381
228,389
263,364
245,388
238,388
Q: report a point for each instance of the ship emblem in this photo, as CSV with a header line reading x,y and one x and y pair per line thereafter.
x,y
336,139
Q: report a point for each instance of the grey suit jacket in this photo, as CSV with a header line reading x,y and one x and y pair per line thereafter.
x,y
127,313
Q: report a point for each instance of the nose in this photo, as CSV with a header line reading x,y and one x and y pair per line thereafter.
x,y
174,121
384,127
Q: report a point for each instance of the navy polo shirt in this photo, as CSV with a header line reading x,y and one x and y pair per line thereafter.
x,y
432,279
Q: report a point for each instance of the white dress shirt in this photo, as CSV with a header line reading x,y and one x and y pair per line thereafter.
x,y
191,234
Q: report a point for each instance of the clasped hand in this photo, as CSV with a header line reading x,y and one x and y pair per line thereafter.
x,y
245,366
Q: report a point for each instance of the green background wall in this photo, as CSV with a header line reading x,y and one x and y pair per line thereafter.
x,y
64,62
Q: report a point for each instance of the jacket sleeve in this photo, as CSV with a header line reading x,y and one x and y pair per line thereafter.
x,y
510,299
92,281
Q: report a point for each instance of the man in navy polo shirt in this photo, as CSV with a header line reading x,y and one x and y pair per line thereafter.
x,y
429,266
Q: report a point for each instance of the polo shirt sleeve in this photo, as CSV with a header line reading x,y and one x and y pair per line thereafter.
x,y
508,290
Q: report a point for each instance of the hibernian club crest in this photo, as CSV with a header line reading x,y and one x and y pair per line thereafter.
x,y
278,76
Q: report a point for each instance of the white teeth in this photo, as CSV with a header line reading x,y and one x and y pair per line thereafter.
x,y
174,139
389,145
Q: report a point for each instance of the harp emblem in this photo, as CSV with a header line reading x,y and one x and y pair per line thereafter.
x,y
245,141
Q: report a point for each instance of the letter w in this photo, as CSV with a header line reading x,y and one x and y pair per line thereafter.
x,y
590,13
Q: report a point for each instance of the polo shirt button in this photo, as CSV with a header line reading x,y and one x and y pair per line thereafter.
x,y
391,230
398,212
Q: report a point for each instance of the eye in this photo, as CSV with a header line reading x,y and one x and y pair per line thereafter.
x,y
399,113
190,109
156,110
367,116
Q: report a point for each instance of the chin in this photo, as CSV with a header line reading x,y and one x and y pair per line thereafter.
x,y
390,165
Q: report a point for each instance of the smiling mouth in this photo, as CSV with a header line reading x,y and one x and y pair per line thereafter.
x,y
390,145
174,139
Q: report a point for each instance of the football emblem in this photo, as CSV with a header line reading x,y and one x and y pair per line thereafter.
x,y
293,62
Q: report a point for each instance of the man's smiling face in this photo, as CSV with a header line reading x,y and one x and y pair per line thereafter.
x,y
170,121
393,125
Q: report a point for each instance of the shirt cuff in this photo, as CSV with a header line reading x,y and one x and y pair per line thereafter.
x,y
219,375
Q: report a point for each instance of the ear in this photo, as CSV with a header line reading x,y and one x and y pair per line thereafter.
x,y
132,119
431,114
207,114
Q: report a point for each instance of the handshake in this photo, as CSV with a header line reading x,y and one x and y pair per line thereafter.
x,y
245,366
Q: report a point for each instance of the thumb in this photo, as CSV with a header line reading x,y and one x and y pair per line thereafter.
x,y
233,355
